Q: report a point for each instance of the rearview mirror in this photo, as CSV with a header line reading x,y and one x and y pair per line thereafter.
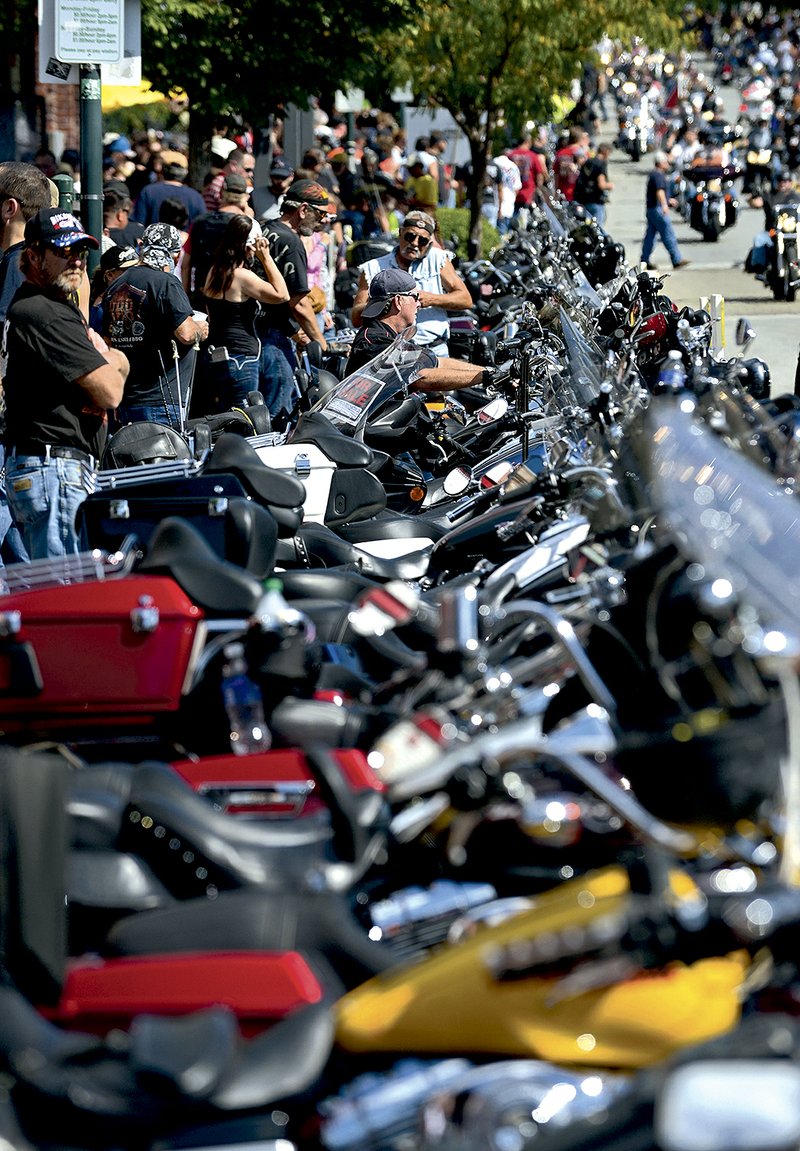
x,y
745,332
457,481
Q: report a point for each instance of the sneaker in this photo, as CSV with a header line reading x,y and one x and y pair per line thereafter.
x,y
682,264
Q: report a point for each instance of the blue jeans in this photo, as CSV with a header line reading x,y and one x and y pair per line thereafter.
x,y
278,362
659,224
598,211
44,497
229,382
12,546
153,413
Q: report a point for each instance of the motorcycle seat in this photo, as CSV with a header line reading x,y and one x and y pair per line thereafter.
x,y
214,584
316,428
232,453
322,544
320,922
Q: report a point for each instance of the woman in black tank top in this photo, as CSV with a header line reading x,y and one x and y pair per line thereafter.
x,y
232,294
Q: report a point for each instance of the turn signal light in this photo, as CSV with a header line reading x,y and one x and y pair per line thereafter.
x,y
417,494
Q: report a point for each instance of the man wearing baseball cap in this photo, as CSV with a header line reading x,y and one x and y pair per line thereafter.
x,y
60,378
284,327
441,288
147,315
391,308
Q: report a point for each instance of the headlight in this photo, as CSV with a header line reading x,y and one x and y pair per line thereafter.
x,y
787,223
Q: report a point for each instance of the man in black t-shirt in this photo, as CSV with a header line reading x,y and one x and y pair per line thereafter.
x,y
658,221
282,327
593,184
24,191
148,316
59,379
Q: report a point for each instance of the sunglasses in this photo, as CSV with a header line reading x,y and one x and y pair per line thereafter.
x,y
412,295
69,252
415,238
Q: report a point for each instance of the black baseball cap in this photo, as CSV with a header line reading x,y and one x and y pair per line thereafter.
x,y
384,287
59,229
115,258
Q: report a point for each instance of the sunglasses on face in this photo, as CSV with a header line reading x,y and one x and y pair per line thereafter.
x,y
415,238
68,253
412,295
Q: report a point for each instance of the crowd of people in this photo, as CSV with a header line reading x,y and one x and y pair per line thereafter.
x,y
225,282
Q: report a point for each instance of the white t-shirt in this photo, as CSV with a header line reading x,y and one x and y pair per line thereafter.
x,y
433,326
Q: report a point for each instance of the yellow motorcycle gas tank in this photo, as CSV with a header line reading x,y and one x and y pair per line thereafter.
x,y
451,1002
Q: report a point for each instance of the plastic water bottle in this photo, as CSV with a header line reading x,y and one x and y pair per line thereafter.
x,y
672,377
275,614
248,730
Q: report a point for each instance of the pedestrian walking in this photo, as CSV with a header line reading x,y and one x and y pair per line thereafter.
x,y
659,224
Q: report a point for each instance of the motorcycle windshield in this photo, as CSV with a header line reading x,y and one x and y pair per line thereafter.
x,y
359,396
726,513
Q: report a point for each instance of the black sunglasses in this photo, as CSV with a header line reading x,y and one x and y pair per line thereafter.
x,y
68,252
414,237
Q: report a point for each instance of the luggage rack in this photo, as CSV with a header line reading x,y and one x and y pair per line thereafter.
x,y
85,567
146,474
268,440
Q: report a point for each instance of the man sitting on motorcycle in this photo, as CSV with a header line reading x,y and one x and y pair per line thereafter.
x,y
785,192
391,308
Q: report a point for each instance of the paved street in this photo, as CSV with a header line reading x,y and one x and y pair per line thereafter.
x,y
715,268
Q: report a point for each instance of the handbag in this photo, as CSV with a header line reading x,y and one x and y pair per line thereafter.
x,y
317,299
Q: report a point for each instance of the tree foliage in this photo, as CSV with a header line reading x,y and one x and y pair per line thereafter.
x,y
248,57
505,60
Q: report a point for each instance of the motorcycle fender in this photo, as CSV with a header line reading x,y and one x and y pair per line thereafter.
x,y
261,987
634,1023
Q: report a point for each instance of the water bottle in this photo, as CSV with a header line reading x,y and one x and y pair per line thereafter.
x,y
275,614
672,377
248,730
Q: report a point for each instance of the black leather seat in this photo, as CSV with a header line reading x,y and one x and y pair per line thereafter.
x,y
315,428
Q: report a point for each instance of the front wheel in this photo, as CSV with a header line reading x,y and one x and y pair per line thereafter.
x,y
636,151
711,233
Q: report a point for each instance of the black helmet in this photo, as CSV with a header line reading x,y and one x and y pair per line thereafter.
x,y
784,176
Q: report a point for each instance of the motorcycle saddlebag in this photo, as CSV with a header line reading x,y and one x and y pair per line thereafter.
x,y
97,653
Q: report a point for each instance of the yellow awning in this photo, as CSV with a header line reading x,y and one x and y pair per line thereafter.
x,y
125,96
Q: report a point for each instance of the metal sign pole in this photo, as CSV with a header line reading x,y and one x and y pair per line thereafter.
x,y
91,121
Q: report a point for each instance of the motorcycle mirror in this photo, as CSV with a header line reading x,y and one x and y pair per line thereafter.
x,y
457,481
493,411
745,332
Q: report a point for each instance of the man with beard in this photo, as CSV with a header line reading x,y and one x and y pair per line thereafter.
x,y
282,327
60,379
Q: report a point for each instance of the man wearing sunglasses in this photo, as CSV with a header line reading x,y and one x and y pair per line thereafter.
x,y
392,307
441,288
284,327
60,378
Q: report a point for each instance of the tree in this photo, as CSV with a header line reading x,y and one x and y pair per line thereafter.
x,y
245,57
502,59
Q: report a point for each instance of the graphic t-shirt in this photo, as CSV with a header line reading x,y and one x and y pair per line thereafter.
x,y
290,256
141,310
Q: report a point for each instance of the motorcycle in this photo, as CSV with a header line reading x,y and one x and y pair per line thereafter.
x,y
713,204
774,256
